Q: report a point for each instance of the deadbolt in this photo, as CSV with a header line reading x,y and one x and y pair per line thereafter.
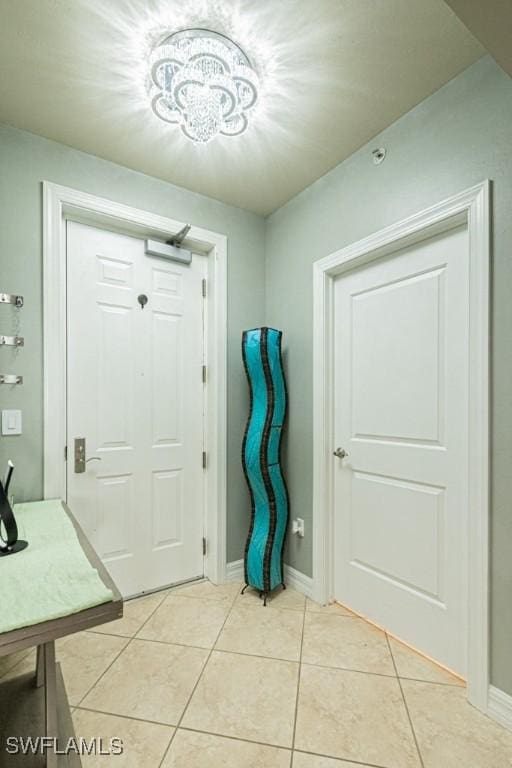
x,y
142,299
80,460
340,453
79,454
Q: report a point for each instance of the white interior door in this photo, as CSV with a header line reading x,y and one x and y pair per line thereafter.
x,y
135,393
401,413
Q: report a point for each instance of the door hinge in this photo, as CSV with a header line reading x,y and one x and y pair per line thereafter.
x,y
204,374
203,287
204,546
204,459
65,453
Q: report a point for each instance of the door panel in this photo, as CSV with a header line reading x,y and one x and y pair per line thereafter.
x,y
135,393
115,516
387,384
115,365
167,493
166,377
413,512
401,413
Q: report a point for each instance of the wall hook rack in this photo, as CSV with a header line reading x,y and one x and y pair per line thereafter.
x,y
10,378
12,341
11,298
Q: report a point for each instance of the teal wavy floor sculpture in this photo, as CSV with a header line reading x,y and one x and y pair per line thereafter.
x,y
263,560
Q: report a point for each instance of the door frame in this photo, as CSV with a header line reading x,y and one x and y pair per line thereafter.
x,y
471,207
64,203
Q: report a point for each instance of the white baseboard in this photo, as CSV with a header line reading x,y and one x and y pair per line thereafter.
x,y
235,570
298,581
293,578
499,707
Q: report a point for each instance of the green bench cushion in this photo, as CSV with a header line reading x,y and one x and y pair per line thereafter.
x,y
52,577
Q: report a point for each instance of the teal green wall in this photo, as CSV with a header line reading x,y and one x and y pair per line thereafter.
x,y
456,138
25,160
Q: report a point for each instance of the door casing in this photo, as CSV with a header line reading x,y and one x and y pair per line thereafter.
x,y
61,203
470,208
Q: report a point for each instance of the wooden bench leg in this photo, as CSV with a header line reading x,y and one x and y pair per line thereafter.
x,y
50,701
40,666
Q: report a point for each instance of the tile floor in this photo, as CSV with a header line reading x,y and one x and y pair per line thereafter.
x,y
203,677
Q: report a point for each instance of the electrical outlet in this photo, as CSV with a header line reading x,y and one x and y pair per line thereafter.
x,y
298,527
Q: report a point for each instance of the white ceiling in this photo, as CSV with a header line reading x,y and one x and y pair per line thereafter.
x,y
334,72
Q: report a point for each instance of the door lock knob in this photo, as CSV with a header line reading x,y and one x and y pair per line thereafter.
x,y
340,453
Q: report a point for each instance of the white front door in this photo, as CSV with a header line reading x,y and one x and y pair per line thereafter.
x,y
401,413
135,393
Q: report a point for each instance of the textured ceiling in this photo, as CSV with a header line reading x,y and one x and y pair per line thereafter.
x,y
334,73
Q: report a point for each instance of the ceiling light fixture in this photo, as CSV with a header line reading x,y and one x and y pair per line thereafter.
x,y
203,82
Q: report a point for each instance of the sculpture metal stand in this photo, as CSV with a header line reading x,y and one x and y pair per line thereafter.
x,y
10,544
263,563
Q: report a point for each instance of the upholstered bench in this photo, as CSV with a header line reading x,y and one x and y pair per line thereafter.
x,y
55,587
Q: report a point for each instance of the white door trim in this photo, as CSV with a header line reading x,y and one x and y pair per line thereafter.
x,y
472,207
61,203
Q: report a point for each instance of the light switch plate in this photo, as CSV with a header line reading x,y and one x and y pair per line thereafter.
x,y
11,422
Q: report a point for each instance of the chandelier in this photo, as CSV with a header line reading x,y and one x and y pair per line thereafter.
x,y
203,82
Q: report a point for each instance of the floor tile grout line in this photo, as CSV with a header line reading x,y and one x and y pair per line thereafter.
x,y
191,730
210,652
119,637
231,607
460,686
236,738
164,756
219,602
254,655
109,634
16,663
197,597
271,658
337,616
389,676
104,671
236,603
229,737
195,686
138,719
161,593
252,604
298,682
204,667
381,674
134,637
405,705
130,640
256,605
341,759
196,647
